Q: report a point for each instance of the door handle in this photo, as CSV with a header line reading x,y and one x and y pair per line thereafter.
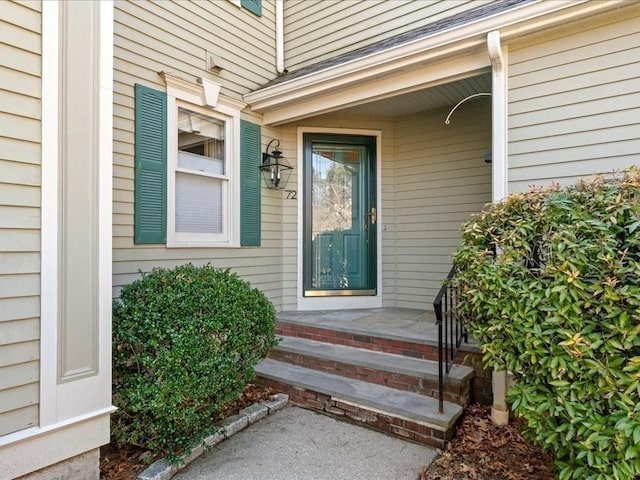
x,y
373,215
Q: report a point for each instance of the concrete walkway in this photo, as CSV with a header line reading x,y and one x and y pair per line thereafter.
x,y
297,444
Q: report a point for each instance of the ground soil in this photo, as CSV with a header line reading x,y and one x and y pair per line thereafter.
x,y
481,450
125,462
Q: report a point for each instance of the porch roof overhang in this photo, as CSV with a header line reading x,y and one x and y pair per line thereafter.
x,y
443,56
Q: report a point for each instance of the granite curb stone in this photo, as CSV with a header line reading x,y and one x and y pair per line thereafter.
x,y
234,424
163,470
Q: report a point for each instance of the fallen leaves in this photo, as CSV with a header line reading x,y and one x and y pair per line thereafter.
x,y
482,450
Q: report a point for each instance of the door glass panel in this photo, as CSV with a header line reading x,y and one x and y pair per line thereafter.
x,y
339,221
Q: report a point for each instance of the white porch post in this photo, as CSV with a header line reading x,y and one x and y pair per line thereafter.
x,y
499,409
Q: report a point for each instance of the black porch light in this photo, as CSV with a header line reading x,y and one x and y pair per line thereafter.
x,y
275,168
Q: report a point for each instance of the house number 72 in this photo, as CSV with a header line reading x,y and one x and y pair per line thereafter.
x,y
291,194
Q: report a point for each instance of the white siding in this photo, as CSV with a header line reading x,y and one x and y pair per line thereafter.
x,y
315,30
441,178
574,101
174,36
20,70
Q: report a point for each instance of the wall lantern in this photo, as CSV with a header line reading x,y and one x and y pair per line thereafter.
x,y
275,168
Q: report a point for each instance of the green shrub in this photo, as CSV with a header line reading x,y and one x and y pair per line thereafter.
x,y
559,306
185,342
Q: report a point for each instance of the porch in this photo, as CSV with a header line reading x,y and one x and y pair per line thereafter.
x,y
400,325
377,367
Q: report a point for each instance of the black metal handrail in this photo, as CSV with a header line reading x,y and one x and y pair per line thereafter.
x,y
451,331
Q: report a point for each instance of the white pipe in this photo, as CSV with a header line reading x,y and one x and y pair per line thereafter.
x,y
499,409
280,36
481,94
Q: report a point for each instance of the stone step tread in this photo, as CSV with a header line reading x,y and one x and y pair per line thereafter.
x,y
408,405
387,362
428,335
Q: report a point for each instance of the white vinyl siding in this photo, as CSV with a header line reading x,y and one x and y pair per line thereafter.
x,y
440,180
20,151
315,30
574,102
174,36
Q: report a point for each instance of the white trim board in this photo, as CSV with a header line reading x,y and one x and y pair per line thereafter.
x,y
74,416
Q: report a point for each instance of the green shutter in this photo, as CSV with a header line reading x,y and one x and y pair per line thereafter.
x,y
250,192
150,197
254,6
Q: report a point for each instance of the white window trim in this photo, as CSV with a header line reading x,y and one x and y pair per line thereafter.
x,y
192,96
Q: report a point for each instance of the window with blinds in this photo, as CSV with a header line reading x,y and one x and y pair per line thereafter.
x,y
201,180
197,175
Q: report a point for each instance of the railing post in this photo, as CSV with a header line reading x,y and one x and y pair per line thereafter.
x,y
450,335
440,371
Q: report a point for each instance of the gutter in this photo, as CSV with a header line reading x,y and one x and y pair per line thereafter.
x,y
457,40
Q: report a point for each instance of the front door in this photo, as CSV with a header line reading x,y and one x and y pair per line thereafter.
x,y
339,250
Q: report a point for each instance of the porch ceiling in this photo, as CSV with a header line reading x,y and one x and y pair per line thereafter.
x,y
445,95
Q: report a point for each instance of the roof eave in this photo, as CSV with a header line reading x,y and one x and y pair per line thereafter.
x,y
517,21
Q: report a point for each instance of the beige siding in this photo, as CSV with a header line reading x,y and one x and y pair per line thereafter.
x,y
574,98
441,179
174,36
433,177
20,69
315,30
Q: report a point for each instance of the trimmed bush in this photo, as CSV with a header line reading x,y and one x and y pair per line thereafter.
x,y
559,306
185,343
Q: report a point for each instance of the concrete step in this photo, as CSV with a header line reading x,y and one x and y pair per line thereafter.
x,y
370,338
405,414
395,371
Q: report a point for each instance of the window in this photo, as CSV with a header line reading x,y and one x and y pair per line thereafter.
x,y
200,185
197,177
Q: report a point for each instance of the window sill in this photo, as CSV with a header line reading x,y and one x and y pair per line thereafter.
x,y
203,245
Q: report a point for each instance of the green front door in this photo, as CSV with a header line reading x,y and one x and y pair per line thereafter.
x,y
339,215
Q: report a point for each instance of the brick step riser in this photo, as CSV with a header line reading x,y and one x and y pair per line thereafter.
x,y
454,393
481,383
399,427
378,344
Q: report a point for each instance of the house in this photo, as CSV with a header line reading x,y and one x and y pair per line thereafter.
x,y
132,136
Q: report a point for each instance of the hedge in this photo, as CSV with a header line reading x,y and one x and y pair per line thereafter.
x,y
550,287
185,343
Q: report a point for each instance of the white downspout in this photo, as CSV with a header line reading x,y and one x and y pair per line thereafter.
x,y
499,409
280,36
499,116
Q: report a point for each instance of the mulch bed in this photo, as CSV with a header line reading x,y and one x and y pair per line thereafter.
x,y
127,461
481,450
